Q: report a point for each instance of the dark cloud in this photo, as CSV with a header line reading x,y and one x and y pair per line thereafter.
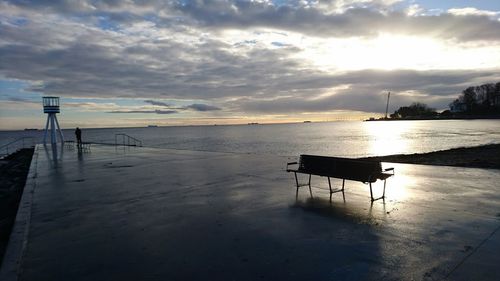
x,y
353,20
202,107
18,99
368,20
159,103
83,67
145,111
367,91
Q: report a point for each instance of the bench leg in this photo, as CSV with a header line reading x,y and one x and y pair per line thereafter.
x,y
310,191
338,190
330,186
297,183
371,193
383,194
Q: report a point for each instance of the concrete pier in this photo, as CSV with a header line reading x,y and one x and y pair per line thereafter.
x,y
115,213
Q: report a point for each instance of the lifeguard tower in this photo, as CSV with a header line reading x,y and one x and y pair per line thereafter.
x,y
51,107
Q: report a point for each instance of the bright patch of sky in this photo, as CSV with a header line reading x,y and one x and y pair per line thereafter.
x,y
449,4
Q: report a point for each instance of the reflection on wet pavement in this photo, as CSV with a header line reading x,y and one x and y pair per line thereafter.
x,y
135,214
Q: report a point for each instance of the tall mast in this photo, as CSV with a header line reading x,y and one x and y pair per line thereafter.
x,y
387,106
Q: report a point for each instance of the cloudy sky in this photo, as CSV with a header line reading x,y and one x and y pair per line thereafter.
x,y
139,62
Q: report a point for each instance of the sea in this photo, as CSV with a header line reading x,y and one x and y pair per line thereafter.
x,y
340,138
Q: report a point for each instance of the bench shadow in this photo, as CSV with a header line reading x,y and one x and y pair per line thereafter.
x,y
360,212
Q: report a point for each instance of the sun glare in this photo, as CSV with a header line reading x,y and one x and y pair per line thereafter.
x,y
389,52
385,51
387,137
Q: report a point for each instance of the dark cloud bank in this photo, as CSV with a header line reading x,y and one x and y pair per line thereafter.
x,y
145,111
170,109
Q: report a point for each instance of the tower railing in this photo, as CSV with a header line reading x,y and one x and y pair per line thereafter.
x,y
51,107
126,140
13,146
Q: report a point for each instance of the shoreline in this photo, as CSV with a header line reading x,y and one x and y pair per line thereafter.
x,y
13,175
471,117
483,156
360,119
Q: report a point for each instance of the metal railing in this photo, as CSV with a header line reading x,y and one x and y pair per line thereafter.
x,y
127,140
15,145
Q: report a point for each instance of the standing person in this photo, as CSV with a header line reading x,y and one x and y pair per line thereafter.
x,y
78,134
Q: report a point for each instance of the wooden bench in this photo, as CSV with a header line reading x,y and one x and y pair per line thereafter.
x,y
365,171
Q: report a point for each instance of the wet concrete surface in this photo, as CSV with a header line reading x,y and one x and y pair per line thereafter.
x,y
155,214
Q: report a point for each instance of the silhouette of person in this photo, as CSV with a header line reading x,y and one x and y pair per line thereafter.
x,y
78,134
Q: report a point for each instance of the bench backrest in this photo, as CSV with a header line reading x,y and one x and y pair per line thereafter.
x,y
345,168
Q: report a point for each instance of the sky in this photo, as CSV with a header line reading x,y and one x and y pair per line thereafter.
x,y
136,62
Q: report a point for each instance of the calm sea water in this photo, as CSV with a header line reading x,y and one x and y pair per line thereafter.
x,y
347,139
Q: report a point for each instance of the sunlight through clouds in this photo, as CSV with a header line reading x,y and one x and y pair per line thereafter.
x,y
389,52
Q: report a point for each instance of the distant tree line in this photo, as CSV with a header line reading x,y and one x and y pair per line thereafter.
x,y
481,100
416,109
478,100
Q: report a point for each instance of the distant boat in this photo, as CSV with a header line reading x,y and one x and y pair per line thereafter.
x,y
253,123
152,126
307,121
30,129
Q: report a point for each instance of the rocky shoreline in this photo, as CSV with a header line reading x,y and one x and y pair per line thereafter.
x,y
484,156
13,173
